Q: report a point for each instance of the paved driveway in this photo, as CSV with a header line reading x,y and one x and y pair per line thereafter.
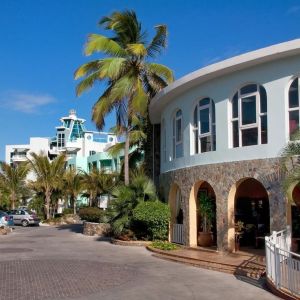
x,y
61,263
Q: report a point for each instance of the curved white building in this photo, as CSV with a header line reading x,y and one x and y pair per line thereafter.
x,y
222,130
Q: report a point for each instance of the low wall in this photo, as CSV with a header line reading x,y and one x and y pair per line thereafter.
x,y
99,229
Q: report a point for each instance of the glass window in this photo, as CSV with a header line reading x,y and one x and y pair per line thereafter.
x,y
294,108
204,126
177,135
249,116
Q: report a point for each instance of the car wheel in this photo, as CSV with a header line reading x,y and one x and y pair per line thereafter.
x,y
25,223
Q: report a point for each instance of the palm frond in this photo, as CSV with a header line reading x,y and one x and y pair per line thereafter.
x,y
162,71
137,49
159,41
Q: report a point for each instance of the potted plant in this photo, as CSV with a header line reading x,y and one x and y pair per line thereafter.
x,y
207,214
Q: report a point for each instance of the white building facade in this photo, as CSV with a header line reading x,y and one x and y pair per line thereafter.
x,y
222,130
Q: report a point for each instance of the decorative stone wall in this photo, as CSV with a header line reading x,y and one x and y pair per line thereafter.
x,y
99,229
222,177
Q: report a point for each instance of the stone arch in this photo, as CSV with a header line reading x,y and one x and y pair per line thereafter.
x,y
234,193
192,209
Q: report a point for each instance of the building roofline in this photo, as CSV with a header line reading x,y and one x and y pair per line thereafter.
x,y
221,68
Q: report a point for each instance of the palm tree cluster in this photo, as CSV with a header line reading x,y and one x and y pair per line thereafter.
x,y
131,79
52,181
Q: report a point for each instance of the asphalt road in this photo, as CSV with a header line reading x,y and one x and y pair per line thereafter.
x,y
61,263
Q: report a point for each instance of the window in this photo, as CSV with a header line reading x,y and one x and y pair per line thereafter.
x,y
204,126
164,141
294,108
60,140
177,135
249,116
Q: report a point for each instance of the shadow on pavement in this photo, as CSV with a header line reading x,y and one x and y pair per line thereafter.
x,y
77,228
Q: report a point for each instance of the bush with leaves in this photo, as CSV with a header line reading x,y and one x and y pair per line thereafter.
x,y
93,214
68,211
152,218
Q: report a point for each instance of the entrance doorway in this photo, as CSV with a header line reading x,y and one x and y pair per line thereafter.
x,y
251,214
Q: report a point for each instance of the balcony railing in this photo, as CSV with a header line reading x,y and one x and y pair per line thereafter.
x,y
282,265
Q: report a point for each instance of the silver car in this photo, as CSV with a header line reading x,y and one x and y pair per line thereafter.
x,y
24,217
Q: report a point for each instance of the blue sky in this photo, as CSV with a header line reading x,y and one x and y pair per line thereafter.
x,y
42,44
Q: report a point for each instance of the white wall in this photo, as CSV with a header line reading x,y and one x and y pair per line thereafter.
x,y
275,77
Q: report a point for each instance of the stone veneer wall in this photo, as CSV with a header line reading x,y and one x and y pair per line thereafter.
x,y
222,177
99,229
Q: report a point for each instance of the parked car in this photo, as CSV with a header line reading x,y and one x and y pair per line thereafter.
x,y
6,219
24,217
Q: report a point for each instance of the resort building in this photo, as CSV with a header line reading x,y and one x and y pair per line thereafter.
x,y
222,131
83,148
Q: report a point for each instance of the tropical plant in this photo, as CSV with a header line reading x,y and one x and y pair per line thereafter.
x,y
290,164
72,186
48,176
152,219
140,189
131,79
206,211
96,183
93,214
13,181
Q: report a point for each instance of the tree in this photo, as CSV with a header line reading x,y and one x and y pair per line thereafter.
x,y
72,186
49,175
291,165
13,181
140,189
96,183
131,79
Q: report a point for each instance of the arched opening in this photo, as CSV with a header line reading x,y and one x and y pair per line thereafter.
x,y
295,219
202,196
251,215
176,223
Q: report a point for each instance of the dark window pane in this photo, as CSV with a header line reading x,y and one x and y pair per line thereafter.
x,y
213,137
179,150
263,100
294,121
178,130
213,113
174,127
204,101
293,94
235,134
196,141
249,137
178,113
204,120
249,110
264,130
250,88
235,110
196,117
205,144
174,147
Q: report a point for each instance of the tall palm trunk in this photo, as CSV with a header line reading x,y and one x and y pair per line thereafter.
x,y
126,159
13,201
74,204
47,204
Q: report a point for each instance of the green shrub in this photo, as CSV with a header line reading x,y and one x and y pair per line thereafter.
x,y
93,214
68,211
164,245
152,218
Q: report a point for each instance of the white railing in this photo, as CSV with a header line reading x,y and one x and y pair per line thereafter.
x,y
177,234
282,265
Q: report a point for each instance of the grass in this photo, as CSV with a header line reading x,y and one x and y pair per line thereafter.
x,y
164,245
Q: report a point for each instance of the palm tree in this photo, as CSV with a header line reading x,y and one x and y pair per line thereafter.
x,y
96,183
72,186
49,175
13,181
290,163
131,79
140,189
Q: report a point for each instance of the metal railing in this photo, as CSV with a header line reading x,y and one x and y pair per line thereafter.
x,y
177,234
282,265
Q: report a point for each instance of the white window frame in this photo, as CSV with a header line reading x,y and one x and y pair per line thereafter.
x,y
293,108
239,118
198,127
175,131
